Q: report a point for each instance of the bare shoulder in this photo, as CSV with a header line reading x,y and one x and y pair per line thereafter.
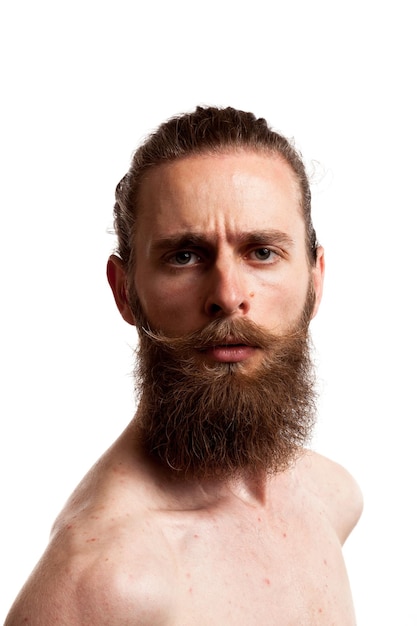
x,y
100,585
336,489
106,562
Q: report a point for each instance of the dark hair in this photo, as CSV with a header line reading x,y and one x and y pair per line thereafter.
x,y
206,130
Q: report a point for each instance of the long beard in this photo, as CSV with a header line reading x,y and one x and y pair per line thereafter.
x,y
221,420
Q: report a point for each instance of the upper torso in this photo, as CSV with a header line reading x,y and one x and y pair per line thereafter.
x,y
130,549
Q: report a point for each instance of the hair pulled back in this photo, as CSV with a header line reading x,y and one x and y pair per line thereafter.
x,y
205,130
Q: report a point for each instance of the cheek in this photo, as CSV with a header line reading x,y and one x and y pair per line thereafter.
x,y
283,304
166,308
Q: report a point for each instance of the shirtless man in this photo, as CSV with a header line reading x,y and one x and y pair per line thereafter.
x,y
209,510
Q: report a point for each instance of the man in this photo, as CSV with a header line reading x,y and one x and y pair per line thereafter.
x,y
209,509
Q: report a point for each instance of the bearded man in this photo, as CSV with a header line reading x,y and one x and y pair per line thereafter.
x,y
209,509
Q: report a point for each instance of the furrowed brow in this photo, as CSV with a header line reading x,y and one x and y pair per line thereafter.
x,y
183,240
263,237
195,240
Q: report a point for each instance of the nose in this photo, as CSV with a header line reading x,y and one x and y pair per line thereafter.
x,y
227,290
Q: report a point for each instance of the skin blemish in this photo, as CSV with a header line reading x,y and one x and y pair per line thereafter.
x,y
196,536
284,535
324,561
267,581
91,540
119,469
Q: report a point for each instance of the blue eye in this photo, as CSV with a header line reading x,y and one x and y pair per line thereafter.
x,y
184,257
263,254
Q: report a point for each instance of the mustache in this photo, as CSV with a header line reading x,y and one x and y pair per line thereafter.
x,y
224,332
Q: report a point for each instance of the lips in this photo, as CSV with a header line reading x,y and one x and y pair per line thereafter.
x,y
229,352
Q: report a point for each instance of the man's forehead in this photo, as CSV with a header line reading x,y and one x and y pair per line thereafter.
x,y
250,182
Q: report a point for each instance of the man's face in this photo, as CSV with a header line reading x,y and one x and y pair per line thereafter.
x,y
222,237
224,289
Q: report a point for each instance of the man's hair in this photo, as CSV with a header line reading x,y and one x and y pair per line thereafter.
x,y
207,130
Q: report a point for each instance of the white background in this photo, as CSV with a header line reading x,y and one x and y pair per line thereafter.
x,y
82,83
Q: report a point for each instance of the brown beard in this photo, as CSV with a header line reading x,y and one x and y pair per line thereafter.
x,y
217,419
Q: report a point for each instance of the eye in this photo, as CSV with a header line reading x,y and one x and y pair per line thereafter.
x,y
184,257
264,254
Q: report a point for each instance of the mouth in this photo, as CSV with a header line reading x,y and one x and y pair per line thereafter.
x,y
229,352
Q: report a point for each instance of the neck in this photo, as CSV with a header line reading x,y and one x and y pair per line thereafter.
x,y
205,494
179,492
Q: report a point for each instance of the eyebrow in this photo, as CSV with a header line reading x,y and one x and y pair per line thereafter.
x,y
196,239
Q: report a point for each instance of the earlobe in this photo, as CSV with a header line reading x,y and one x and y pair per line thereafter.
x,y
317,276
116,275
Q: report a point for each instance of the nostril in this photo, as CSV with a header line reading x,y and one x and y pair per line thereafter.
x,y
215,308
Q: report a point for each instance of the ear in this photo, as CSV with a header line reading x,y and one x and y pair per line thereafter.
x,y
116,275
317,276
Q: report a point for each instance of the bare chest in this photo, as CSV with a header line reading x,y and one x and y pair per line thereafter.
x,y
289,572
